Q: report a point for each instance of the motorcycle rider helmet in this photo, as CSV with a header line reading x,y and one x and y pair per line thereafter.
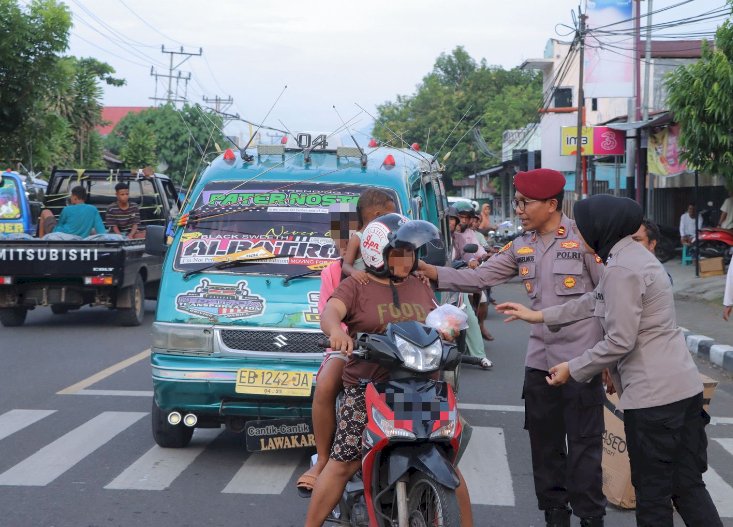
x,y
464,207
417,235
451,212
392,231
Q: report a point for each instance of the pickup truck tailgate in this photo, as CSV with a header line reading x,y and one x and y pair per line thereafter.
x,y
60,258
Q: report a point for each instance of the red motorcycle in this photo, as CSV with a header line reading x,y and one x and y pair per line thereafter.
x,y
715,242
412,437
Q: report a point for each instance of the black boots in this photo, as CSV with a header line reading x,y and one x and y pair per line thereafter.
x,y
596,521
557,517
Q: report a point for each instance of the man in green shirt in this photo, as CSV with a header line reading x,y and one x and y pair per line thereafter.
x,y
77,219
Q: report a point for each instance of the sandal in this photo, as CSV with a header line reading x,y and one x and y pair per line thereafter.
x,y
305,485
486,364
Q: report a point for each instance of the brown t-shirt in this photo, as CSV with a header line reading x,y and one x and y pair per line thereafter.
x,y
370,307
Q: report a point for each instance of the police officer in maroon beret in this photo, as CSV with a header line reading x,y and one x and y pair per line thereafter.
x,y
565,426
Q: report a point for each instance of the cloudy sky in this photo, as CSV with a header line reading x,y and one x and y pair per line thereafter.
x,y
327,52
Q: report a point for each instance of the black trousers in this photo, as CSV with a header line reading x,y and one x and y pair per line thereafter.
x,y
668,453
565,426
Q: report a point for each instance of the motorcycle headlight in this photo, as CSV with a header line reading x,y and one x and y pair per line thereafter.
x,y
420,359
387,426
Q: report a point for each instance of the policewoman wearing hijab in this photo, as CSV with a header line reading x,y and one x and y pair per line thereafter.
x,y
658,383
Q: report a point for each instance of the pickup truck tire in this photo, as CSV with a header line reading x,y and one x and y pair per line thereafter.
x,y
59,309
165,434
13,316
133,315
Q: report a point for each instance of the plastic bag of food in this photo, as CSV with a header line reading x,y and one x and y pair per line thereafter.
x,y
447,319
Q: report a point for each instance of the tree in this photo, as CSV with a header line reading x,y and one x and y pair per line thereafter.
x,y
701,99
178,136
462,94
49,103
139,150
31,41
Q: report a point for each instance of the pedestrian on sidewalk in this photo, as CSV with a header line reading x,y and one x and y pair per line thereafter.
x,y
658,383
565,426
728,297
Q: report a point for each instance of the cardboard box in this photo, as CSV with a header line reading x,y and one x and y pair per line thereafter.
x,y
711,266
616,470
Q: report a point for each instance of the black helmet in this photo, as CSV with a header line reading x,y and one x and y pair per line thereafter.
x,y
394,231
451,212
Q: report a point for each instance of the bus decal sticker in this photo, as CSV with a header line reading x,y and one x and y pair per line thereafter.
x,y
215,301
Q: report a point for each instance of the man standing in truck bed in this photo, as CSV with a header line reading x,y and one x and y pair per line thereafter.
x,y
565,426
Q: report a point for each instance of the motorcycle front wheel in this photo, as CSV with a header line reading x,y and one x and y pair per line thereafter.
x,y
430,504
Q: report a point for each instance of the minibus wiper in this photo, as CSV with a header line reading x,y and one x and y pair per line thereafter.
x,y
224,265
301,275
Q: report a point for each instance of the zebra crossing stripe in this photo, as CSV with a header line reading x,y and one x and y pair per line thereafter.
x,y
485,467
56,458
720,491
265,472
159,467
15,420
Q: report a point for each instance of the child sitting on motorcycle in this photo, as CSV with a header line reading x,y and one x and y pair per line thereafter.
x,y
372,204
392,294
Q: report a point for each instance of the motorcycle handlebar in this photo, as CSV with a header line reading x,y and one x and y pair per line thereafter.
x,y
358,352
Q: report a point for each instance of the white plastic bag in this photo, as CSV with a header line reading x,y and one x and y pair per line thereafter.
x,y
448,319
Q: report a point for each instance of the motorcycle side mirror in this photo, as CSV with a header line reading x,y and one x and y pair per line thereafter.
x,y
470,248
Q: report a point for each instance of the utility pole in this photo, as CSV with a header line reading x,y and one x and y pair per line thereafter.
x,y
179,76
645,115
220,105
581,187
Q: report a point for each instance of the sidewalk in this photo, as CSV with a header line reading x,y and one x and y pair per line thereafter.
x,y
699,303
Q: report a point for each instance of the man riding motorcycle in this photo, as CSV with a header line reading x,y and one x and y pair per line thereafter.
x,y
389,247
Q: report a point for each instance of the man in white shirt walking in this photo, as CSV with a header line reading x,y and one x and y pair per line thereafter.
x,y
687,225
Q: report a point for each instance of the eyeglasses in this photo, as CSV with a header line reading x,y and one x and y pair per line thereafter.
x,y
520,204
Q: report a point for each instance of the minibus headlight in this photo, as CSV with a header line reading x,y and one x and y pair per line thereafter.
x,y
182,338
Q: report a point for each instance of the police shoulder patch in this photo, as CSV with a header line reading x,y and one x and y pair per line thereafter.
x,y
506,247
598,259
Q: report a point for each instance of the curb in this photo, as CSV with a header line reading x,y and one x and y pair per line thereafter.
x,y
719,354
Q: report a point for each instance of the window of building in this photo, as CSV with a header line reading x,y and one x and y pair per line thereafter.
x,y
563,98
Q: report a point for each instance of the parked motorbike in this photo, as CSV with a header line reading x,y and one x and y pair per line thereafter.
x,y
714,242
412,437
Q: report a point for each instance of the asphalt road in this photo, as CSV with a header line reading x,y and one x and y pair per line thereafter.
x,y
76,448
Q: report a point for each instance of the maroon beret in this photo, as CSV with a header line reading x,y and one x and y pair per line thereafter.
x,y
540,183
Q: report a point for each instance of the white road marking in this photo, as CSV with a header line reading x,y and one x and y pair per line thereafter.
x,y
107,372
117,393
159,467
485,467
56,458
490,407
15,420
265,472
720,492
721,420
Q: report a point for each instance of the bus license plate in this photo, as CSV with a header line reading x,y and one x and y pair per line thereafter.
x,y
274,382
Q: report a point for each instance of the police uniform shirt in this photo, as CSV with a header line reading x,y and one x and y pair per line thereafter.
x,y
552,274
634,304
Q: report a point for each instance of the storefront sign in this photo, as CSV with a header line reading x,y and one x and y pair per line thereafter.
x,y
595,141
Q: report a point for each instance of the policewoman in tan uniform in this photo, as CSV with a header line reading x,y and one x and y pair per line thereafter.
x,y
565,426
658,383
